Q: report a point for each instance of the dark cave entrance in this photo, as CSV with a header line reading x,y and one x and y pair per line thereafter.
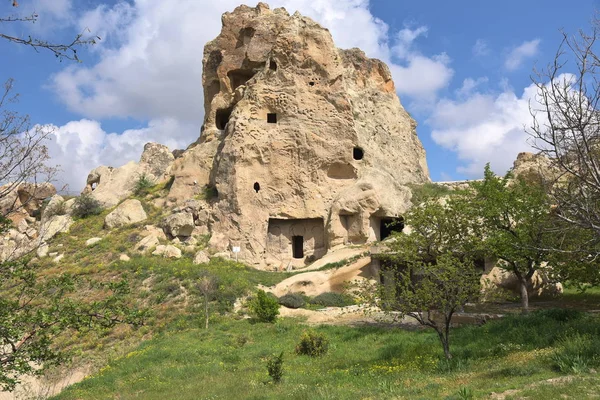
x,y
358,153
387,226
222,117
272,118
298,246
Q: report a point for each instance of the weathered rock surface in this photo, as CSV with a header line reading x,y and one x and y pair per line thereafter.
x,y
53,225
300,140
167,251
535,168
146,243
111,185
540,285
24,200
180,224
201,258
128,212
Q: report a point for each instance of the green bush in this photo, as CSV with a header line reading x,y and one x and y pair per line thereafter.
x,y
275,367
85,205
264,307
312,344
292,300
142,185
332,299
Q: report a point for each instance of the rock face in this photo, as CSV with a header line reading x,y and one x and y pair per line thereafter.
x,y
111,185
128,212
24,200
304,146
535,168
540,284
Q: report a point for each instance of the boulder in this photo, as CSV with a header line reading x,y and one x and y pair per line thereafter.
x,y
111,185
24,200
146,243
42,250
180,224
167,251
124,257
540,285
53,225
151,230
92,241
201,258
127,213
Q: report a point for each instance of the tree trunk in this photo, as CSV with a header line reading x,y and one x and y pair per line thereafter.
x,y
445,345
206,311
524,294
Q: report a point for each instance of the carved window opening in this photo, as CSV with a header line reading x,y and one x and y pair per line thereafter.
x,y
298,246
94,185
387,226
222,117
273,65
256,187
272,118
358,153
311,83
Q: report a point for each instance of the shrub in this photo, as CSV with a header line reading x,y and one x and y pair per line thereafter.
x,y
264,307
332,299
142,185
292,300
275,367
85,205
58,208
312,344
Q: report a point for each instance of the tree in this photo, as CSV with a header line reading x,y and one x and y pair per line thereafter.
x,y
207,286
566,128
516,223
35,310
429,272
60,50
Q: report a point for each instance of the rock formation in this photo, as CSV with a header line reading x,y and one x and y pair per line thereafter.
x,y
304,146
110,185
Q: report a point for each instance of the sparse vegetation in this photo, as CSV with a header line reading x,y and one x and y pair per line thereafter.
x,y
332,299
85,206
428,191
142,185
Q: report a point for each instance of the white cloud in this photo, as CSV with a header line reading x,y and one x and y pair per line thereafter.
x,y
519,54
480,48
469,85
417,75
80,146
484,128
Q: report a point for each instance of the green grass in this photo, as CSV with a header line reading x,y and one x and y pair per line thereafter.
x,y
228,361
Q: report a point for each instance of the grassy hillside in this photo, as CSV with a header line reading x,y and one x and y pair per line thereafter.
x,y
227,361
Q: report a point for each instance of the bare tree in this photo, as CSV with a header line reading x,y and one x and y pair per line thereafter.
x,y
566,128
60,50
207,286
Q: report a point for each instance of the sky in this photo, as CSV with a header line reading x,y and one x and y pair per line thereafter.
x,y
462,69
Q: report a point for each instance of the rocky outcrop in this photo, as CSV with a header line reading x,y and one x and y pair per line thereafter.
x,y
540,285
535,168
167,251
304,146
127,213
111,185
20,201
180,224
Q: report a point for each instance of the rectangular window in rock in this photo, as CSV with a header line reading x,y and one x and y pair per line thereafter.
x,y
272,118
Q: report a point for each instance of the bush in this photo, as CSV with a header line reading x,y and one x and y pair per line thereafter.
x,y
142,185
275,367
332,299
264,307
312,344
85,205
292,300
58,208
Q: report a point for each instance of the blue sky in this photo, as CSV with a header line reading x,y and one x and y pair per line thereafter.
x,y
462,70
